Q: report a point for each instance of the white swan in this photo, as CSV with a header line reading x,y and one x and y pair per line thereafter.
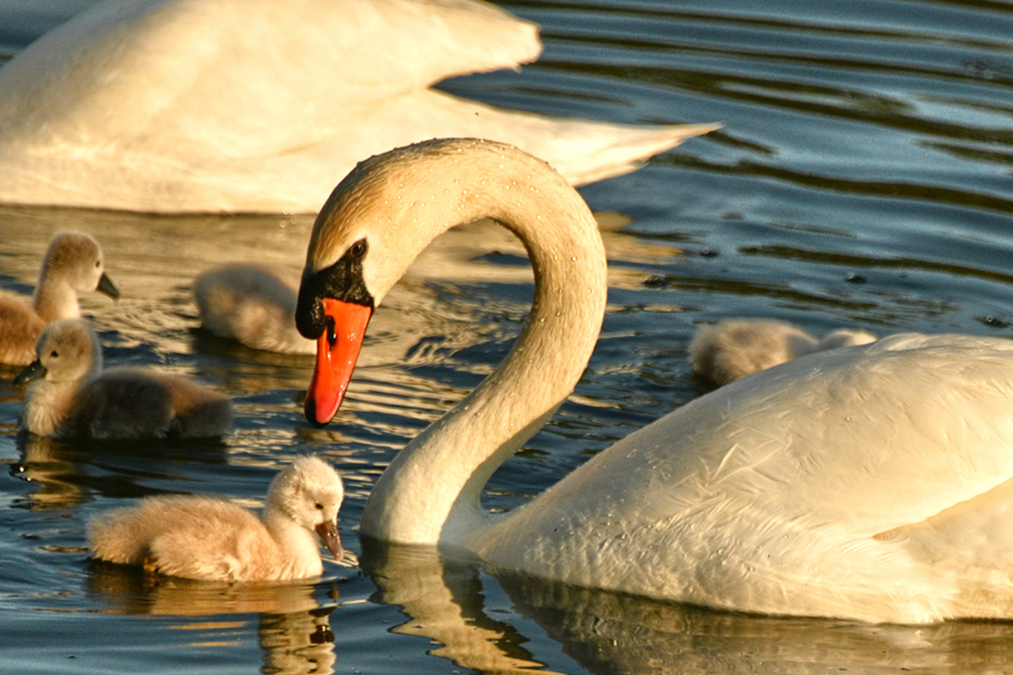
x,y
253,305
729,350
72,397
72,264
211,539
218,105
870,483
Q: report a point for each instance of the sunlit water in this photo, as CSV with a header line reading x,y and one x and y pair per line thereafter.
x,y
862,179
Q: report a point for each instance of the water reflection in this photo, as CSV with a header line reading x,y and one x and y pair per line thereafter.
x,y
68,473
293,628
52,472
445,600
444,603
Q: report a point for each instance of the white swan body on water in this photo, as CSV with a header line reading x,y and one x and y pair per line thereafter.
x,y
870,483
206,538
252,105
71,396
729,350
253,305
72,264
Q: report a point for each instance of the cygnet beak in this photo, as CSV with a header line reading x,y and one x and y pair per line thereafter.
x,y
328,532
34,371
106,286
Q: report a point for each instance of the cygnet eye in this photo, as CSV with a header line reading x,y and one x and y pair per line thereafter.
x,y
319,506
98,263
54,353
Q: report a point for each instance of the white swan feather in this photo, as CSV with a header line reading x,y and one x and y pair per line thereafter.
x,y
255,105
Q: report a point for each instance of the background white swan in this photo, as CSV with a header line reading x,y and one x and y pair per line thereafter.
x,y
729,350
72,264
868,483
206,538
255,105
71,396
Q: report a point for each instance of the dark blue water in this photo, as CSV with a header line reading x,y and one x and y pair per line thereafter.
x,y
862,178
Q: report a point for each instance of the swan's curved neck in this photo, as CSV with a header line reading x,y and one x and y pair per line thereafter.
x,y
431,491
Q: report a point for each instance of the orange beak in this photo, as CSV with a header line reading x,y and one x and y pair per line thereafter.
x,y
337,351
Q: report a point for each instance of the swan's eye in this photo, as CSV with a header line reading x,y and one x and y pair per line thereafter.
x,y
332,334
358,249
319,506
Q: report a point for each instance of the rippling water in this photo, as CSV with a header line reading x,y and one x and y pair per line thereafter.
x,y
862,179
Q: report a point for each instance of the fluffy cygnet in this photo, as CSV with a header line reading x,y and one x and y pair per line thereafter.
x,y
72,397
73,264
202,537
253,305
729,350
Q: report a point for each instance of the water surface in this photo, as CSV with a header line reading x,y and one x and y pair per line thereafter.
x,y
862,178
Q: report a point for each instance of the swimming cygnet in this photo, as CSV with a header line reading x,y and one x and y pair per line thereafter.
x,y
72,397
253,305
73,264
729,350
201,537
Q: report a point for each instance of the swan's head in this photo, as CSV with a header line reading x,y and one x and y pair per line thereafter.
x,y
377,220
76,259
67,351
310,493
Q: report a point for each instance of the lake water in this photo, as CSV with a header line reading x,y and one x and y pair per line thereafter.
x,y
862,178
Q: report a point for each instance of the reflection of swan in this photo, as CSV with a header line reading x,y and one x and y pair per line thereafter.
x,y
730,350
843,484
72,265
481,628
293,628
73,397
252,304
168,105
205,538
440,601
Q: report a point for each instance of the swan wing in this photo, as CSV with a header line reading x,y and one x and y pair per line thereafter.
x,y
882,436
216,105
123,67
770,493
255,105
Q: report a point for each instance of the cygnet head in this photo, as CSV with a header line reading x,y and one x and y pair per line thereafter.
x,y
310,493
844,337
75,259
67,351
